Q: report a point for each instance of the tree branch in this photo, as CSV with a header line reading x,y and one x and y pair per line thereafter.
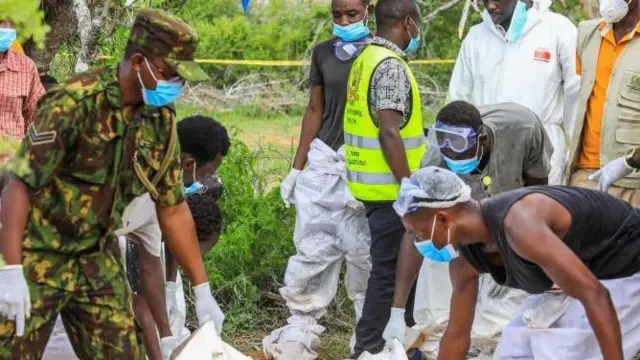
x,y
446,6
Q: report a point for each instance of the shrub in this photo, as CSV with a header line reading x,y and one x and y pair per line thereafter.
x,y
256,240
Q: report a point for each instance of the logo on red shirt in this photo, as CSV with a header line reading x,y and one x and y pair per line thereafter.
x,y
542,55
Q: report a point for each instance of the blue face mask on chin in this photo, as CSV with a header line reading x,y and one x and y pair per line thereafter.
x,y
414,42
428,249
465,166
351,32
7,37
518,22
195,186
165,93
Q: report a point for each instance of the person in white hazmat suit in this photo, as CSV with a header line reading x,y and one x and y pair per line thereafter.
x,y
493,148
525,53
331,226
575,250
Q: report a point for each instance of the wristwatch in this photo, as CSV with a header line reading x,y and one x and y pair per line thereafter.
x,y
628,157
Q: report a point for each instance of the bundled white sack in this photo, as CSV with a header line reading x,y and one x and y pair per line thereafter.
x,y
206,344
393,351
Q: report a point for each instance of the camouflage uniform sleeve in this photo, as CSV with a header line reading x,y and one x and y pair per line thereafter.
x,y
171,188
56,125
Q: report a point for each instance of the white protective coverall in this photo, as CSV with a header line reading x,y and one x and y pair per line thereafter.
x,y
538,72
555,326
330,226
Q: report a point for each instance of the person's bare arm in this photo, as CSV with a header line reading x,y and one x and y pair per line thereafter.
x,y
153,290
179,230
171,266
409,262
311,123
456,340
529,228
392,145
13,217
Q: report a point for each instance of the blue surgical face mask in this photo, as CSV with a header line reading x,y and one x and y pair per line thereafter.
x,y
7,37
415,41
195,186
428,249
351,32
165,93
518,21
465,166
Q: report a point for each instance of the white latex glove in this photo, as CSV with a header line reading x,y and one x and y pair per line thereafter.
x,y
15,302
396,327
173,311
611,172
207,308
287,186
167,345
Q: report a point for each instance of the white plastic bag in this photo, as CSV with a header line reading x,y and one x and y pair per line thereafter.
x,y
205,344
393,351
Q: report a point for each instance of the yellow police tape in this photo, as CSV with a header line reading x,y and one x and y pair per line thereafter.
x,y
286,63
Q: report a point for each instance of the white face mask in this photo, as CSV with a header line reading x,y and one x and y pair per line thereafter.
x,y
612,11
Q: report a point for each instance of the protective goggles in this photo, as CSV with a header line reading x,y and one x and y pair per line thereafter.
x,y
456,138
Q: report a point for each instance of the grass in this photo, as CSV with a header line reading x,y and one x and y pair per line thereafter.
x,y
275,136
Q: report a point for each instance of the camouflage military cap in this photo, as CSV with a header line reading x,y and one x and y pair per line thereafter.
x,y
160,34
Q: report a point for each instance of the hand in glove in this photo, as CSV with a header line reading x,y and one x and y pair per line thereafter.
x,y
611,172
167,345
207,308
396,327
287,186
15,302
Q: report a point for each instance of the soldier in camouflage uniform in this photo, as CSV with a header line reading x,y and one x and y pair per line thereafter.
x,y
93,147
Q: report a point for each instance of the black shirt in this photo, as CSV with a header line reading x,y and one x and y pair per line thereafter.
x,y
604,234
332,74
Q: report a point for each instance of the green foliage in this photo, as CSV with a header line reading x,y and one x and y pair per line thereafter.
x,y
27,17
256,239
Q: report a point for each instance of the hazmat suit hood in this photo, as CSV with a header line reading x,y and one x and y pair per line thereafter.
x,y
534,17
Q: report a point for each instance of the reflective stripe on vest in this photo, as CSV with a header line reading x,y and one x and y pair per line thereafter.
x,y
374,143
369,176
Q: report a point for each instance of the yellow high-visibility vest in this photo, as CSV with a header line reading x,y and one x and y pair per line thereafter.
x,y
369,176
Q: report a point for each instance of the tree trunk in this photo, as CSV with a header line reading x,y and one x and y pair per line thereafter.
x,y
59,15
590,8
62,17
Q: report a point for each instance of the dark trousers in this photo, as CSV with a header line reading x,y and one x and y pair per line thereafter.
x,y
386,236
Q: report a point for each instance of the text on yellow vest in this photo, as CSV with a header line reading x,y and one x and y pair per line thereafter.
x,y
369,176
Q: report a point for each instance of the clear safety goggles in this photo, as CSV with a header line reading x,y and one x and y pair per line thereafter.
x,y
456,138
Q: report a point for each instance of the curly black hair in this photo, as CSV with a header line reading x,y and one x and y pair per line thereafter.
x,y
206,214
460,113
203,137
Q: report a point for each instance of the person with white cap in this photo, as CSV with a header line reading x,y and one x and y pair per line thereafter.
x,y
577,246
523,52
494,149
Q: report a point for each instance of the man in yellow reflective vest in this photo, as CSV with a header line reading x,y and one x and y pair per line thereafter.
x,y
384,143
